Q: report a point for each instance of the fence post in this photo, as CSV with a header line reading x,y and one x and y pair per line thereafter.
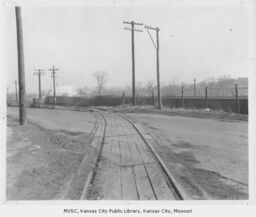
x,y
194,87
182,98
153,98
206,97
123,98
237,100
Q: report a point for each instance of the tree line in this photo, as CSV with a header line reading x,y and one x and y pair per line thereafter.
x,y
221,86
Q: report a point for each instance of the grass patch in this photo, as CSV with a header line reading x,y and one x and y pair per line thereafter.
x,y
188,112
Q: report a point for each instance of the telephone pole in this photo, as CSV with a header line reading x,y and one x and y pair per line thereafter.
x,y
39,72
157,61
194,87
132,29
53,71
21,68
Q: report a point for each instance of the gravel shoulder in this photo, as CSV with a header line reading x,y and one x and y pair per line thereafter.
x,y
44,155
209,157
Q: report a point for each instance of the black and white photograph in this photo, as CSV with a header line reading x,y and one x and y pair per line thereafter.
x,y
128,101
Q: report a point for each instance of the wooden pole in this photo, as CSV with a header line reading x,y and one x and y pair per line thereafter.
x,y
182,97
158,70
123,98
54,88
132,29
8,97
39,73
194,87
53,71
153,98
156,45
206,97
237,100
39,85
16,91
133,67
21,68
137,98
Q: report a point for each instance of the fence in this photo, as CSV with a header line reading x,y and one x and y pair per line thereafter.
x,y
85,101
235,102
227,99
175,91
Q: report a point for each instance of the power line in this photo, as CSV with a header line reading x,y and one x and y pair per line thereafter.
x,y
132,29
53,71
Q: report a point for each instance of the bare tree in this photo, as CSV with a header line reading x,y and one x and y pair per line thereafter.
x,y
150,85
101,77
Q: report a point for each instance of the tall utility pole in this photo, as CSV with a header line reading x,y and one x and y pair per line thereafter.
x,y
132,29
39,72
194,87
16,92
157,61
53,70
21,68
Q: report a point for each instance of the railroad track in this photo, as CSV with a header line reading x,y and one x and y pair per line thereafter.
x,y
79,181
126,166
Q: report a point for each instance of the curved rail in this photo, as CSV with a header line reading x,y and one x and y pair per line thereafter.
x,y
92,174
179,194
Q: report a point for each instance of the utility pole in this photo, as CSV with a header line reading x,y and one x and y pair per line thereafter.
x,y
182,96
8,96
194,87
132,29
157,61
21,68
16,92
237,100
53,71
39,72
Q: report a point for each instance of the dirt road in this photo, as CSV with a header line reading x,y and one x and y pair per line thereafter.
x,y
43,157
211,155
209,158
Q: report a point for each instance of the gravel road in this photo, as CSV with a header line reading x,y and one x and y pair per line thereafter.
x,y
210,154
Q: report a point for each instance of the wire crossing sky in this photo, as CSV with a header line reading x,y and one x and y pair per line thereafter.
x,y
195,42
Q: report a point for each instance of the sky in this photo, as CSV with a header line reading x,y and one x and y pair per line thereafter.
x,y
195,42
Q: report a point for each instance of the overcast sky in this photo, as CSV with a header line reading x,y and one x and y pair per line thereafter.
x,y
195,42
